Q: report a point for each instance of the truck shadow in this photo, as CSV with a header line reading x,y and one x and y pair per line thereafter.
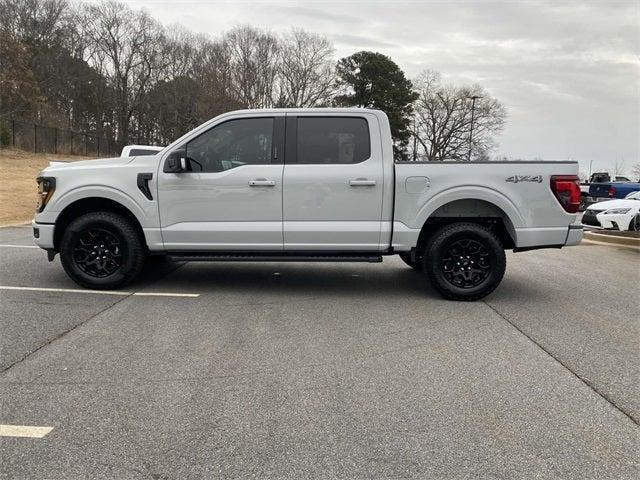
x,y
389,279
302,279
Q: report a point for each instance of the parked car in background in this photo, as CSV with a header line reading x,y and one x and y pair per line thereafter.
x,y
615,214
140,150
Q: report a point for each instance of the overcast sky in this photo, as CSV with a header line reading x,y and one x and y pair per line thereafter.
x,y
568,72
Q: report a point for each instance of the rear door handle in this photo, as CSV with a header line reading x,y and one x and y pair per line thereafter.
x,y
362,182
262,182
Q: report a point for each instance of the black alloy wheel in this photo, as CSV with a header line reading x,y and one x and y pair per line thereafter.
x,y
102,250
97,252
466,263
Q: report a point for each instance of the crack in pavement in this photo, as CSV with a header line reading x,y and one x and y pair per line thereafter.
x,y
590,385
62,334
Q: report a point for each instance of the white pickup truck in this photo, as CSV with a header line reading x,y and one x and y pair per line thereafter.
x,y
302,185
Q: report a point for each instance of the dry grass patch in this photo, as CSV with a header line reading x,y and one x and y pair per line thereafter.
x,y
18,185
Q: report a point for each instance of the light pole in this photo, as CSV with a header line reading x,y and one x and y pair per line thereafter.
x,y
473,111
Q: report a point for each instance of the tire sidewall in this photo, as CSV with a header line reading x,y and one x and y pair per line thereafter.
x,y
437,248
69,239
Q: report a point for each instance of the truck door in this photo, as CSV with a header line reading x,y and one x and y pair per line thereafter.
x,y
232,197
332,183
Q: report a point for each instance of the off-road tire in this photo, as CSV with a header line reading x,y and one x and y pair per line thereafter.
x,y
131,248
437,255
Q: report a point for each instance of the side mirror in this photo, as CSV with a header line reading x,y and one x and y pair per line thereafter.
x,y
177,162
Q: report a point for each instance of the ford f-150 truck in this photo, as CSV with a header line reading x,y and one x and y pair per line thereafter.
x,y
302,185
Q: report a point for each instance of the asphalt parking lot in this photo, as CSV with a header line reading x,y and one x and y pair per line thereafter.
x,y
322,371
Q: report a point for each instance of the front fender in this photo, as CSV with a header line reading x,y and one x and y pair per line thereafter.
x,y
144,215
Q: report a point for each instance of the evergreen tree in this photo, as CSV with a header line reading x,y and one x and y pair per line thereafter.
x,y
373,80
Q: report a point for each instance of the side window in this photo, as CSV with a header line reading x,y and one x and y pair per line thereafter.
x,y
246,141
329,140
140,152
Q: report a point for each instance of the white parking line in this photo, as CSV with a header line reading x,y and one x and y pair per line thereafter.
x,y
19,246
101,292
23,431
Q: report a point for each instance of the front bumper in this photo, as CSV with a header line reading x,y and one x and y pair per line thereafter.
x,y
616,222
590,218
43,235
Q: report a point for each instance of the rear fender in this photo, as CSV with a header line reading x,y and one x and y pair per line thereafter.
x,y
469,193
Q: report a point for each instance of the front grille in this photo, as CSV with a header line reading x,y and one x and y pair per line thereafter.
x,y
589,218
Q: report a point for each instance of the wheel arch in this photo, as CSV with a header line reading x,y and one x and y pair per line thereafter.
x,y
88,205
469,209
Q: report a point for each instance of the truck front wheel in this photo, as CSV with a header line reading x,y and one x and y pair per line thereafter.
x,y
102,250
464,261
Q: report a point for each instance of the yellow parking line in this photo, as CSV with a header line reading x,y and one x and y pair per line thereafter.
x,y
23,431
101,292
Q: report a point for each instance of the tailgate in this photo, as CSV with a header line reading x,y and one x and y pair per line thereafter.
x,y
599,190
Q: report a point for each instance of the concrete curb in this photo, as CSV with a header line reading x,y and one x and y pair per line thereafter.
x,y
612,240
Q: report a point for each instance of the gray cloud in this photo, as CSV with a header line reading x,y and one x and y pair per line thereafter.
x,y
360,42
315,14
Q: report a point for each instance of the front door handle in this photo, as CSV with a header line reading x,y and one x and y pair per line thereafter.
x,y
262,182
362,182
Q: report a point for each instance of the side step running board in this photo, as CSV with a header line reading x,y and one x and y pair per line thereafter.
x,y
272,257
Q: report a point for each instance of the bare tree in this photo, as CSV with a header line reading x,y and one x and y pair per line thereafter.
x,y
214,73
306,70
33,21
618,167
253,56
445,115
19,91
126,47
635,171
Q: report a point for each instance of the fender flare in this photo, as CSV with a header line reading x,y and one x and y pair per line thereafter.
x,y
470,192
102,191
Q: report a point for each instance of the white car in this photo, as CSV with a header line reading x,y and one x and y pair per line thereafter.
x,y
140,150
615,214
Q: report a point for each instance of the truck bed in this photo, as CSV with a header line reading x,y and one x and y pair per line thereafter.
x,y
518,192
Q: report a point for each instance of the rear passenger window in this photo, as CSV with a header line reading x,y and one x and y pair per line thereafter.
x,y
327,140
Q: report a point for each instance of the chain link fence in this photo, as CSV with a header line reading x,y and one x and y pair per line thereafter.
x,y
42,139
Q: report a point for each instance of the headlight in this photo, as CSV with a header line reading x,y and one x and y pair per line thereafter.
x,y
617,211
46,187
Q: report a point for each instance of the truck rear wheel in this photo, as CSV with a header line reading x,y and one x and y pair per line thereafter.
x,y
102,250
464,261
406,258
